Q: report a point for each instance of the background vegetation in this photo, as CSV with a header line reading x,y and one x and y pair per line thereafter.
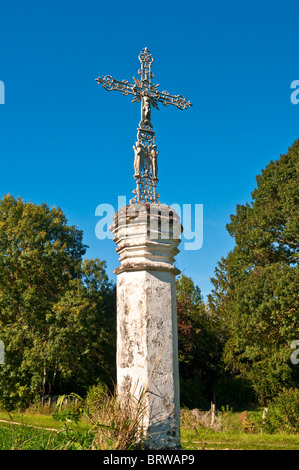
x,y
58,315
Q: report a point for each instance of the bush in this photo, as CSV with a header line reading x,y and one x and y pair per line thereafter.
x,y
68,408
248,425
66,415
16,398
96,397
283,412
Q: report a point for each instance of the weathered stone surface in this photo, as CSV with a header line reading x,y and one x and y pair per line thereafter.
x,y
147,351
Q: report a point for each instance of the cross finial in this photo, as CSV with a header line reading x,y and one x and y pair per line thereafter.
x,y
145,149
146,61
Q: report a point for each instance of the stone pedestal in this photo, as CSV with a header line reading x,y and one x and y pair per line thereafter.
x,y
147,237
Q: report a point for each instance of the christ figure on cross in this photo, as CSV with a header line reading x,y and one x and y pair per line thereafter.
x,y
145,163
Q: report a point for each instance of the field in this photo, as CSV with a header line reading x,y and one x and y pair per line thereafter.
x,y
229,431
238,441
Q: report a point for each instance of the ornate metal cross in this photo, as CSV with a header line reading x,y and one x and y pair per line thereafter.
x,y
145,162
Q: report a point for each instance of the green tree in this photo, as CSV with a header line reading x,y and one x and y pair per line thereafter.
x,y
52,313
198,345
256,286
85,318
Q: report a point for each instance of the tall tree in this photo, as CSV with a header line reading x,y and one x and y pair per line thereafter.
x,y
256,286
84,320
52,317
198,345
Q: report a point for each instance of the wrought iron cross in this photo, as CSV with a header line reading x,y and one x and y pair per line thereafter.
x,y
145,149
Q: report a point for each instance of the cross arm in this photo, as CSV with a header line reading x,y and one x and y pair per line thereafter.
x,y
109,83
177,100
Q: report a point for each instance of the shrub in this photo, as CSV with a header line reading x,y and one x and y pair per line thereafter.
x,y
283,412
96,396
248,425
68,408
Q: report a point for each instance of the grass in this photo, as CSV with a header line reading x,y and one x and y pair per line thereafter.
x,y
99,422
213,440
118,426
110,429
232,431
32,430
33,419
27,437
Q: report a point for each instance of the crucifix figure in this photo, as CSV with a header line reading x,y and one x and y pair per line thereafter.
x,y
145,163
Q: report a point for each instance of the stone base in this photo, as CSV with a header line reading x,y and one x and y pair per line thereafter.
x,y
147,353
147,343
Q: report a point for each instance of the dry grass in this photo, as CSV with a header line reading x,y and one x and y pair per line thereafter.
x,y
117,425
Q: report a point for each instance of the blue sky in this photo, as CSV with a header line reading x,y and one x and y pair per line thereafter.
x,y
66,141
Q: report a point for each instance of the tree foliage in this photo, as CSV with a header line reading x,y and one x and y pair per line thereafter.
x,y
56,311
256,286
198,345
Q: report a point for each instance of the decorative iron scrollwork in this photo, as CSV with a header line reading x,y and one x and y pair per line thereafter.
x,y
145,149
